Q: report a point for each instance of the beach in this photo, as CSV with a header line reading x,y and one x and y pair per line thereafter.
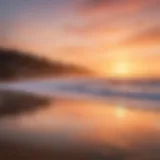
x,y
62,127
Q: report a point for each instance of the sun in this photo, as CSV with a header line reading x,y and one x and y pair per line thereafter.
x,y
121,69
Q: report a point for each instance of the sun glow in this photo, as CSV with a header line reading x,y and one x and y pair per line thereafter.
x,y
121,112
121,69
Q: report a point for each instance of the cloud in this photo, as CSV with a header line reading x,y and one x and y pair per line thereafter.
x,y
97,5
103,17
117,6
148,37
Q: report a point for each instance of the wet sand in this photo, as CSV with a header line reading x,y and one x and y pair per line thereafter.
x,y
63,128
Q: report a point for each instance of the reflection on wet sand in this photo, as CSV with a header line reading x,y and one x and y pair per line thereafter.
x,y
73,129
15,103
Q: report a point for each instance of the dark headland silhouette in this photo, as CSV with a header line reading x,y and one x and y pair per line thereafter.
x,y
17,65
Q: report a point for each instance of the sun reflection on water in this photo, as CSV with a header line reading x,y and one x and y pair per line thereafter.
x,y
121,112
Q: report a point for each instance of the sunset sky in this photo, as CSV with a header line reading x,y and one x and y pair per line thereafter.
x,y
114,38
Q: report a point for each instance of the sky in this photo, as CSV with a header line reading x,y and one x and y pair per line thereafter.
x,y
114,38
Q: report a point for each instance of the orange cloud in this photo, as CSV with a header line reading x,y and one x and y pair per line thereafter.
x,y
117,6
147,37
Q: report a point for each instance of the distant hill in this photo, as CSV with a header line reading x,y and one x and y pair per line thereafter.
x,y
15,65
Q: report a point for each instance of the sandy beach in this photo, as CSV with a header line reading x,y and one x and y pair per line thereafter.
x,y
65,128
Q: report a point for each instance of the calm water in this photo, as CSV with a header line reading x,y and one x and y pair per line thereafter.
x,y
135,94
114,120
